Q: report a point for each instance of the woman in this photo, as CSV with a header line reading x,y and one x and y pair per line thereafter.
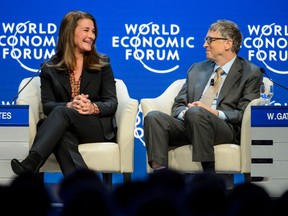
x,y
78,94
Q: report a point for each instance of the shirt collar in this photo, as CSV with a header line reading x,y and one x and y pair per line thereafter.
x,y
227,66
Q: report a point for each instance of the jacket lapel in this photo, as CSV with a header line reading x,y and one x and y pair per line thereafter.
x,y
202,79
86,78
233,76
64,79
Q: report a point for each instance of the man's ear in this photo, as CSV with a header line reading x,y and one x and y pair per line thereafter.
x,y
228,44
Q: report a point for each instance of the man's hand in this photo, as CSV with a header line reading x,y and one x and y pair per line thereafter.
x,y
198,103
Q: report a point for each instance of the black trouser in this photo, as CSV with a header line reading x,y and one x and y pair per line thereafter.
x,y
61,133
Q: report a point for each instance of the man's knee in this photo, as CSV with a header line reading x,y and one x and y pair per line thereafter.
x,y
195,113
152,116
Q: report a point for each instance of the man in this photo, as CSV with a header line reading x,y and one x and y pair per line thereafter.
x,y
195,121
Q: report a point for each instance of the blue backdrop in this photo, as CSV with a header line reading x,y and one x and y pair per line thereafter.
x,y
151,43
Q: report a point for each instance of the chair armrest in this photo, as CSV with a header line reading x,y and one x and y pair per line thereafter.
x,y
32,120
245,145
126,120
30,95
164,101
159,103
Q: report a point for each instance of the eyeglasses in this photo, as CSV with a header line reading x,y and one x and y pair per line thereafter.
x,y
209,40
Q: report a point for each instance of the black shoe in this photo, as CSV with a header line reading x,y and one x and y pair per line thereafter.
x,y
30,164
17,167
208,167
160,170
229,181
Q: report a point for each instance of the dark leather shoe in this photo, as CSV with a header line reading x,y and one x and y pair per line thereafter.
x,y
208,167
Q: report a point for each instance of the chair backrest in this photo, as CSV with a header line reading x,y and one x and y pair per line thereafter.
x,y
164,101
171,92
122,94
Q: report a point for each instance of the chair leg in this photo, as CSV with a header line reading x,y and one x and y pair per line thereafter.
x,y
247,177
127,177
42,176
229,179
107,179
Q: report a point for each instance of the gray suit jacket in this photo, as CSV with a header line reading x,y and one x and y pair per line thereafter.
x,y
239,88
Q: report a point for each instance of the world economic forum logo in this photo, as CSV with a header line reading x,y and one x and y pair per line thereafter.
x,y
268,44
152,44
28,41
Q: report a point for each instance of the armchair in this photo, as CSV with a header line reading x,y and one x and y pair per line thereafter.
x,y
104,157
229,158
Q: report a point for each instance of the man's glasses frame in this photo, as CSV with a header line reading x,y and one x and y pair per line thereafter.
x,y
209,39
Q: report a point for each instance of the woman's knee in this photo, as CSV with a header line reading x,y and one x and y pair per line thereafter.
x,y
59,109
63,111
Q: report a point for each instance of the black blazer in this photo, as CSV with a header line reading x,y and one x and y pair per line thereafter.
x,y
99,85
